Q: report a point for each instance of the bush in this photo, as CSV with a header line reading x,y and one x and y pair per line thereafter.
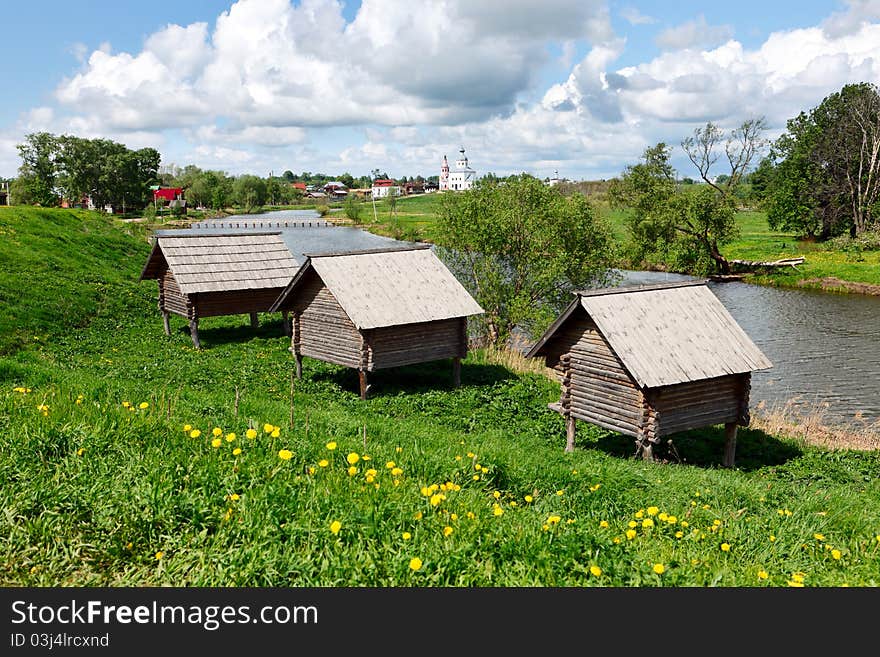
x,y
322,210
353,208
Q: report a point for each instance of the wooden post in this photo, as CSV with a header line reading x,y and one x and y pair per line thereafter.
x,y
362,378
286,321
255,322
729,444
298,360
194,331
570,422
647,450
456,372
165,322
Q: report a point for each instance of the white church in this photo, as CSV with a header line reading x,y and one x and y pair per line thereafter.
x,y
460,178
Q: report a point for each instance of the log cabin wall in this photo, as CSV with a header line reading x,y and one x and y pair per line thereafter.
x,y
701,403
171,299
322,330
406,344
234,302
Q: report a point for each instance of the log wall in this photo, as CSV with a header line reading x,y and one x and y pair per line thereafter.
x,y
406,344
701,403
171,299
234,302
322,329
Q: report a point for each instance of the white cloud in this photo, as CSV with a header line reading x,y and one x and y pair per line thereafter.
x,y
696,33
858,13
634,17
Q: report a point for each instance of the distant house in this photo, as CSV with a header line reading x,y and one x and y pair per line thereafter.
x,y
377,309
414,187
4,193
383,187
168,194
301,186
336,189
461,178
208,275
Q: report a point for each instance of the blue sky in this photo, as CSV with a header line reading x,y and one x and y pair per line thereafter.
x,y
578,86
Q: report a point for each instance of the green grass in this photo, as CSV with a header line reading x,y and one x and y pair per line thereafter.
x,y
91,491
414,218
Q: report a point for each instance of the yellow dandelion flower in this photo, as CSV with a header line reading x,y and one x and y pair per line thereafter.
x,y
217,431
798,577
496,494
659,568
476,477
545,527
458,457
352,458
471,455
141,406
653,510
478,467
684,523
630,534
529,499
663,516
275,432
406,536
352,471
762,574
819,537
234,497
632,524
647,523
285,454
323,463
310,470
415,564
603,524
513,503
268,428
470,515
187,427
497,511
671,520
335,526
396,472
595,571
216,442
398,449
418,515
679,534
126,404
437,498
369,479
447,531
158,556
390,464
236,451
80,451
725,547
553,520
705,507
79,400
640,513
251,434
835,554
195,433
772,538
795,584
230,437
716,522
560,493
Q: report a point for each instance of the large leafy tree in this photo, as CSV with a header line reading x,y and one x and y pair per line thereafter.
x,y
36,182
521,248
825,169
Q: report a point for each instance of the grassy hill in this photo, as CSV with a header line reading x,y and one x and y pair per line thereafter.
x,y
111,473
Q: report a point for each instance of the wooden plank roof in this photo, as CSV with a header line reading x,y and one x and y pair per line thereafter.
x,y
221,262
668,334
388,287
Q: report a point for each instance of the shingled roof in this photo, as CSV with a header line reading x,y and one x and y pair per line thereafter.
x,y
666,334
220,262
388,287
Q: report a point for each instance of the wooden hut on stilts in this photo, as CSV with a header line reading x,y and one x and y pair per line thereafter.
x,y
205,275
652,360
377,308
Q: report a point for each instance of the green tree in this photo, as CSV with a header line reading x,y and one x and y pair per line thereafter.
x,y
37,173
521,248
353,208
826,177
249,192
685,228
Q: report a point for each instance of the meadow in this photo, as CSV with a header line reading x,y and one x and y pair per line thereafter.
x,y
130,458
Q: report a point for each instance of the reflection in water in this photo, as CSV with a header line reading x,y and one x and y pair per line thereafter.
x,y
825,348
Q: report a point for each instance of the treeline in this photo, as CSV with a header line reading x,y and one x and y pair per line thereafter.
x,y
55,168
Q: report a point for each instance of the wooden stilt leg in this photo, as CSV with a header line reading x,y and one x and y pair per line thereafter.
x,y
456,372
255,322
194,332
570,426
647,450
165,323
362,377
298,359
286,321
729,444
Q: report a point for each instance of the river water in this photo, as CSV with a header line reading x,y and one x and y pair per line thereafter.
x,y
825,347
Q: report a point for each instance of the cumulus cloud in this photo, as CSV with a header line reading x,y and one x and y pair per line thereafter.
x,y
857,14
634,17
696,33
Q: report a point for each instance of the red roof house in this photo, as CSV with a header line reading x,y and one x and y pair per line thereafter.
x,y
168,193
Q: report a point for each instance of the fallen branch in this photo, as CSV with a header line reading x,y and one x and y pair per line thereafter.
x,y
753,264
